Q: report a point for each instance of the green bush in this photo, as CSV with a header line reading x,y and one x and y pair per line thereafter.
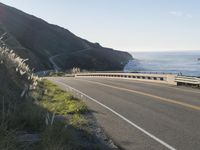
x,y
58,101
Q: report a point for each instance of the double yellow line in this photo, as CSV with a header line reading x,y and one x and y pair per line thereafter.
x,y
147,94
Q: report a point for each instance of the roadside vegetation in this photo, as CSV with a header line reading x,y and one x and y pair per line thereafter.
x,y
36,115
57,118
68,73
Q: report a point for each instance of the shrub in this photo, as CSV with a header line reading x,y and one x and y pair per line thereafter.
x,y
29,117
7,139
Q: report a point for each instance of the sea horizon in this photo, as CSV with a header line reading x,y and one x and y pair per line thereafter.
x,y
177,62
163,51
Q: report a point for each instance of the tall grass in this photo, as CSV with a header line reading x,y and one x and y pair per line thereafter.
x,y
18,67
36,108
16,111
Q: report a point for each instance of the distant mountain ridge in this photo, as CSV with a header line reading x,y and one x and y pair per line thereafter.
x,y
33,38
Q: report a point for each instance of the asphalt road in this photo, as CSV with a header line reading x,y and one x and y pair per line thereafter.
x,y
140,115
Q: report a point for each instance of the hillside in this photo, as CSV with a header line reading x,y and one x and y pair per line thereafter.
x,y
37,40
36,114
11,88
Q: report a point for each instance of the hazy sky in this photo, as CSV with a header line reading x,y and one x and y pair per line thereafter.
x,y
130,25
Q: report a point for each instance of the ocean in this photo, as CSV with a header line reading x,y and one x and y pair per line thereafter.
x,y
185,62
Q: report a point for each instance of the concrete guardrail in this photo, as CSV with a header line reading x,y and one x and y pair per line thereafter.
x,y
158,78
187,80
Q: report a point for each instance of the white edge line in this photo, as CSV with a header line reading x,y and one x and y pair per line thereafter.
x,y
122,117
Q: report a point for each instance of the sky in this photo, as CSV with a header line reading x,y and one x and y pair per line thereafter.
x,y
129,25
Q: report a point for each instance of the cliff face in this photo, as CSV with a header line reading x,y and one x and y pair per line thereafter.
x,y
37,40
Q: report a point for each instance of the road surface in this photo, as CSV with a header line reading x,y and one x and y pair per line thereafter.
x,y
140,115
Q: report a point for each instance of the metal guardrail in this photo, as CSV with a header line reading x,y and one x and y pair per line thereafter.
x,y
187,80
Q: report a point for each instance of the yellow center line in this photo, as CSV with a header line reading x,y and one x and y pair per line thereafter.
x,y
170,87
147,94
159,85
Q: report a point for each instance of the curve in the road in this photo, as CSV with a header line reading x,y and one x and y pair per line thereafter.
x,y
149,95
177,125
124,118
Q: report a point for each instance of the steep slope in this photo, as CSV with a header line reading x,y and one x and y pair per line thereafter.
x,y
10,88
35,112
15,75
94,59
38,40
